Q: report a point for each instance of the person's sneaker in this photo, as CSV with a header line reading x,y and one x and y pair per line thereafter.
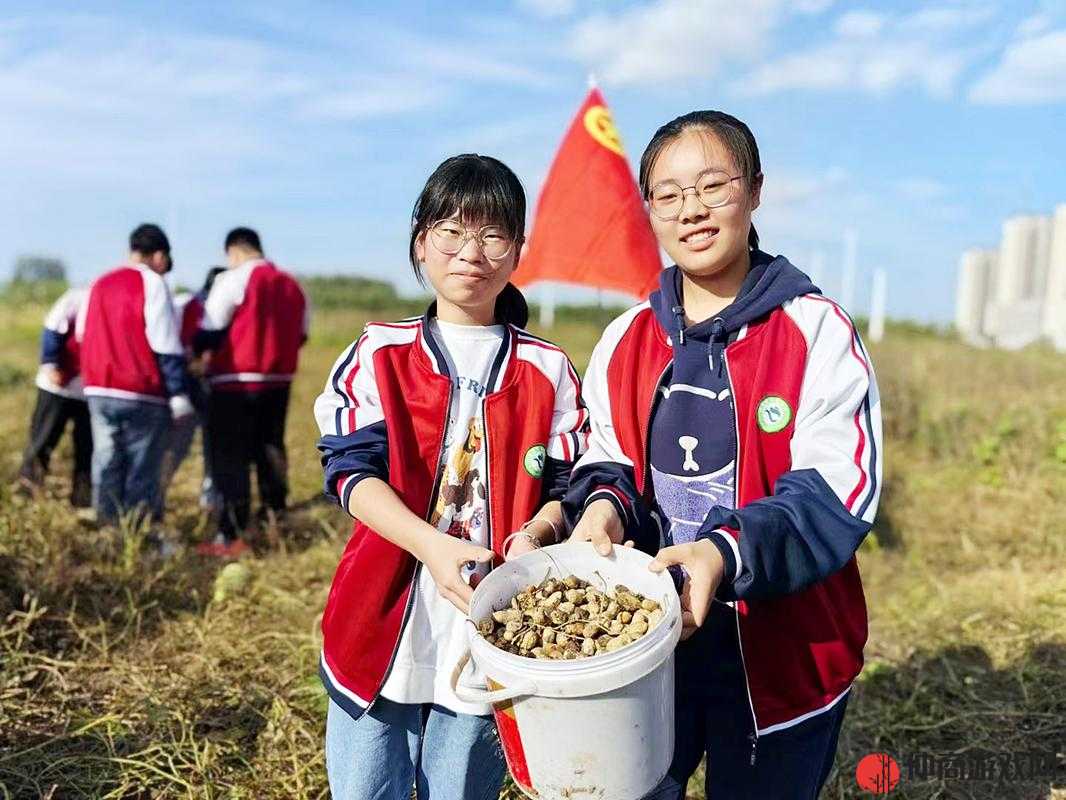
x,y
81,494
158,545
210,498
25,487
222,547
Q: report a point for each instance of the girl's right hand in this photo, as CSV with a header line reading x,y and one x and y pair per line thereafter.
x,y
601,525
444,557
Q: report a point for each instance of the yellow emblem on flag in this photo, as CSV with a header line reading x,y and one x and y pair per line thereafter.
x,y
601,127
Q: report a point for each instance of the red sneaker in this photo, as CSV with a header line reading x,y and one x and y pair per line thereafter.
x,y
220,547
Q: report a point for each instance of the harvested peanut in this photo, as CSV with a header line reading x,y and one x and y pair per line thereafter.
x,y
567,619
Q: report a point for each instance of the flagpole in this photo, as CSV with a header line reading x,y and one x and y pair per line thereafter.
x,y
877,306
847,276
547,305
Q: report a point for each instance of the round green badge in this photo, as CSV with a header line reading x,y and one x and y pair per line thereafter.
x,y
534,460
773,414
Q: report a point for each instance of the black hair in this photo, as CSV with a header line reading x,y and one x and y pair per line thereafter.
x,y
481,190
149,238
209,281
243,237
731,132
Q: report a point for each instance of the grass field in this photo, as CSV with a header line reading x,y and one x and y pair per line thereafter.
x,y
123,677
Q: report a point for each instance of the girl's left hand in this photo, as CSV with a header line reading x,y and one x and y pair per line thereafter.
x,y
705,567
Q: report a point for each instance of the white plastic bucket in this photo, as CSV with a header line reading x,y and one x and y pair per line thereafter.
x,y
597,727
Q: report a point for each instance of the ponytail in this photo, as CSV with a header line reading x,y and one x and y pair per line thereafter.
x,y
511,307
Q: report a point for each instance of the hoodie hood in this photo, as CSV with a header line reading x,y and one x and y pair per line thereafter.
x,y
771,282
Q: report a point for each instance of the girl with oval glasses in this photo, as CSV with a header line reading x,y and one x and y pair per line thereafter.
x,y
450,438
736,426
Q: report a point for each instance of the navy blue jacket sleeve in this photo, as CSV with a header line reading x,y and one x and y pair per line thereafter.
x,y
172,368
606,480
52,344
207,340
556,479
798,536
346,460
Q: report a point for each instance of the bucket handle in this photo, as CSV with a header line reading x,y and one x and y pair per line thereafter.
x,y
474,694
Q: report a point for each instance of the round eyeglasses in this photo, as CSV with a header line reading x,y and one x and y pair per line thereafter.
x,y
450,237
713,189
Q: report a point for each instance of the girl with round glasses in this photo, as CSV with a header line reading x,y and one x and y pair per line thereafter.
x,y
736,432
450,438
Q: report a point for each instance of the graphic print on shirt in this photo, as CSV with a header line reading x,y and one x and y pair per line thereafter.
x,y
460,508
462,491
693,469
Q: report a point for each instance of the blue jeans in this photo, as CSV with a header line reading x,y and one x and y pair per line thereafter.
x,y
712,716
396,746
129,437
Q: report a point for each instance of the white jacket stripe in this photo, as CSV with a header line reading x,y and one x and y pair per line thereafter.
x,y
838,421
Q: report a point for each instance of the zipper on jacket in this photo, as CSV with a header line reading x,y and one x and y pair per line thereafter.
x,y
717,342
488,470
679,317
754,736
418,564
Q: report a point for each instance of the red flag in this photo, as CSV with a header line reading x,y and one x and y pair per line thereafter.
x,y
591,227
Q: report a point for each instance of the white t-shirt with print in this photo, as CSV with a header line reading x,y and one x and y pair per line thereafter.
x,y
434,638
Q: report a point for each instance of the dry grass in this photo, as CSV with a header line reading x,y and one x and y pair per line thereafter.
x,y
123,677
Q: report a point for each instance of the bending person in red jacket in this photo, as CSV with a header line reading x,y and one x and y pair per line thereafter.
x,y
736,420
254,323
59,399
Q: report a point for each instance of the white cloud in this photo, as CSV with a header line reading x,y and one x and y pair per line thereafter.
x,y
793,190
468,64
1031,26
1031,71
811,6
921,189
946,18
548,9
855,64
876,53
674,39
859,23
378,97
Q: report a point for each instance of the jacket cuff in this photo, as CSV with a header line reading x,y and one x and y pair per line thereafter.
x,y
343,487
725,539
617,499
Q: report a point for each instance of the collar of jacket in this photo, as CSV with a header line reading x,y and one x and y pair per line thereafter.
x,y
434,359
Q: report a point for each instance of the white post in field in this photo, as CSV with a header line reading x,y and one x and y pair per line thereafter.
x,y
847,275
547,304
877,306
817,270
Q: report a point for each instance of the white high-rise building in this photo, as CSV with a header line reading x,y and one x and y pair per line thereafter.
x,y
1015,295
1054,326
972,299
1013,318
1017,254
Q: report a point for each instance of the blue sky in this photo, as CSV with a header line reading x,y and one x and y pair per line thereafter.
x,y
919,126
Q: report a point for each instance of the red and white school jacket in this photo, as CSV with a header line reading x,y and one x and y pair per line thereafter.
x,y
128,335
383,413
59,345
808,475
255,321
